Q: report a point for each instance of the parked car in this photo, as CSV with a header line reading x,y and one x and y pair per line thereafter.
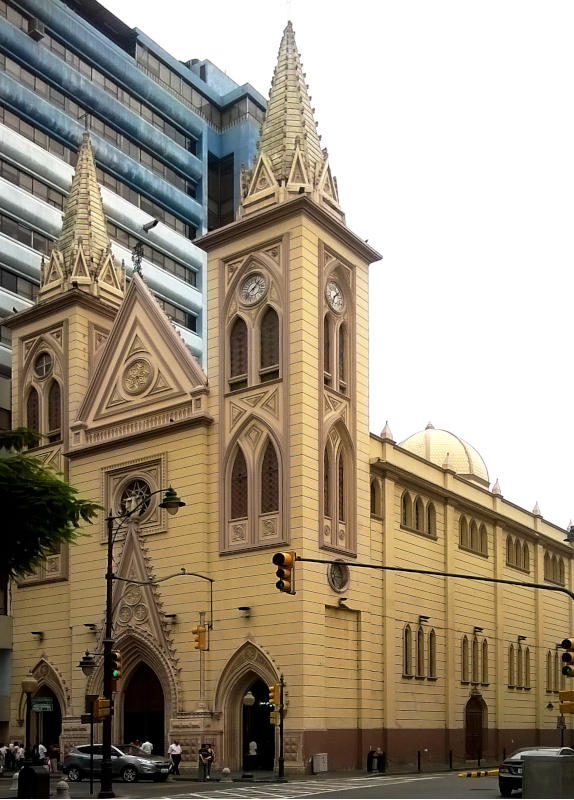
x,y
130,763
510,771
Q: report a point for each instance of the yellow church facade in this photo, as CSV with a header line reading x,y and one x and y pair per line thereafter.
x,y
269,448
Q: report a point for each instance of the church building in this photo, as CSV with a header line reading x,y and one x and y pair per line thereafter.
x,y
270,450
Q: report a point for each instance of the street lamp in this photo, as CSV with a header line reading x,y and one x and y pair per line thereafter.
x,y
172,503
29,686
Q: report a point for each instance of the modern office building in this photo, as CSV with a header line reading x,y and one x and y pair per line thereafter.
x,y
169,140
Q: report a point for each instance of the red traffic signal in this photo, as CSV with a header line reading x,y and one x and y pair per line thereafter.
x,y
285,562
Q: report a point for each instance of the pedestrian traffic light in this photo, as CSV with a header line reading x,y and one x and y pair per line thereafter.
x,y
101,709
200,637
568,657
285,562
275,694
566,702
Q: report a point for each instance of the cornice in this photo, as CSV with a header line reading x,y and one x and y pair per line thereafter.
x,y
59,303
278,213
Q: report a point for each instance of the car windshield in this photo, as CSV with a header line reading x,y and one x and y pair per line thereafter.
x,y
537,751
132,750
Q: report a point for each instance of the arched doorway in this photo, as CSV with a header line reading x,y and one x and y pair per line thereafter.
x,y
257,727
144,709
476,727
46,726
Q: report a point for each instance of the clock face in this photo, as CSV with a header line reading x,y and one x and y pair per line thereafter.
x,y
253,288
334,295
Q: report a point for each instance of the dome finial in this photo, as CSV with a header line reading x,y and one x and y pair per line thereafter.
x,y
496,488
536,510
429,427
445,463
386,433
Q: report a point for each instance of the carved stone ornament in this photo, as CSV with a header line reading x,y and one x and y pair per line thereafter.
x,y
137,376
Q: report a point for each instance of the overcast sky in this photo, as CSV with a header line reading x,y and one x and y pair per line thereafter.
x,y
450,128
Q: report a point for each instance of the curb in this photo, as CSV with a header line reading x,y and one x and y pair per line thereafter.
x,y
479,773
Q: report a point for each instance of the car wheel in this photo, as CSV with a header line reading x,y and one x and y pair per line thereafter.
x,y
129,774
74,774
505,791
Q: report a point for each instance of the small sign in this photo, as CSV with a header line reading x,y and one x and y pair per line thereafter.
x,y
42,704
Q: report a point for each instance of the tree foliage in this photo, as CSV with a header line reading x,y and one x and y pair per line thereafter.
x,y
39,509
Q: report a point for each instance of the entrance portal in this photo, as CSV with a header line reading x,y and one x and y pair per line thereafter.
x,y
144,709
257,728
476,727
47,725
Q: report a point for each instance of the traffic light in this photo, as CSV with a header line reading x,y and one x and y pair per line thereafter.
x,y
285,563
568,657
275,694
116,669
101,709
200,637
274,718
566,702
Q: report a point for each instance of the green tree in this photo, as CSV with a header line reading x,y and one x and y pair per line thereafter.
x,y
39,509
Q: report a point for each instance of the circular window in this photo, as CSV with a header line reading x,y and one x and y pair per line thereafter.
x,y
43,365
137,376
134,493
338,576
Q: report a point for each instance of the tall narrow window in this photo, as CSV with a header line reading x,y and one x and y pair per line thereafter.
x,y
484,675
463,532
526,558
406,510
326,485
432,654
554,569
475,664
527,668
517,553
509,551
54,411
269,481
419,514
341,486
239,487
474,544
519,667
327,351
269,346
560,570
546,566
375,498
407,651
342,359
420,652
483,540
238,355
33,410
549,671
556,672
431,519
464,660
511,672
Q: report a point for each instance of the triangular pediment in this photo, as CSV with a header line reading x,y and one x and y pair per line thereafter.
x,y
145,366
327,185
263,179
298,175
54,270
108,273
80,269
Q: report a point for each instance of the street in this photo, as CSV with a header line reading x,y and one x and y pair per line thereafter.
x,y
438,785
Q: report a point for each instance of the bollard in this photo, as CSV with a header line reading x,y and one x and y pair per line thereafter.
x,y
62,789
225,775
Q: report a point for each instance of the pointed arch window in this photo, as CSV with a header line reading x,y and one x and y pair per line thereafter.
x,y
463,532
54,411
475,660
238,355
525,558
269,481
342,359
33,410
474,544
326,484
327,368
269,346
556,672
420,652
483,540
406,510
527,668
431,519
517,553
549,672
342,510
547,567
407,651
509,551
519,667
561,570
376,509
484,675
432,654
239,487
464,671
419,514
511,667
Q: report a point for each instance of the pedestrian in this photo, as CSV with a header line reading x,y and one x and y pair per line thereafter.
x,y
147,747
253,755
136,743
3,751
19,755
10,760
206,759
174,751
54,757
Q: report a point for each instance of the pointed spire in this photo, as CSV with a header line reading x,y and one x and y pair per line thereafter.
x,y
82,257
290,160
496,488
536,510
429,427
386,433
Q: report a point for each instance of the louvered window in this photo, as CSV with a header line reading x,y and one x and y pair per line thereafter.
x,y
239,487
33,410
54,411
269,346
269,481
238,355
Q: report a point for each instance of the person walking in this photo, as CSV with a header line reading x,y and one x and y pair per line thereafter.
x,y
147,747
206,759
174,751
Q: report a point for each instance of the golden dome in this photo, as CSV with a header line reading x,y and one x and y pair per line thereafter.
x,y
448,451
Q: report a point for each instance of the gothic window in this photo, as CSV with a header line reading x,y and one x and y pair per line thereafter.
x,y
341,487
326,485
376,509
556,672
475,660
484,676
511,668
546,566
419,514
561,570
420,652
519,667
239,487
54,411
517,553
464,671
327,350
549,671
431,519
33,410
525,558
483,540
238,355
527,668
509,551
474,544
269,481
463,532
342,359
407,651
269,346
432,654
406,510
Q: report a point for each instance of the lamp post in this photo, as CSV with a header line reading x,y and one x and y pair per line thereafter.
x,y
172,503
29,686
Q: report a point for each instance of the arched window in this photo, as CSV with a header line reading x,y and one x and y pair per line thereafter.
x,y
326,485
556,672
509,551
474,542
483,540
463,532
375,498
419,514
239,487
527,668
464,671
431,519
420,652
33,410
517,553
407,651
475,661
238,355
484,675
327,369
546,567
511,672
342,359
269,346
549,671
525,557
432,654
54,411
341,487
519,667
554,569
269,481
561,570
406,510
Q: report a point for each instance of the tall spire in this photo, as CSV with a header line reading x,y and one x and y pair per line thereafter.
x,y
290,161
82,257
